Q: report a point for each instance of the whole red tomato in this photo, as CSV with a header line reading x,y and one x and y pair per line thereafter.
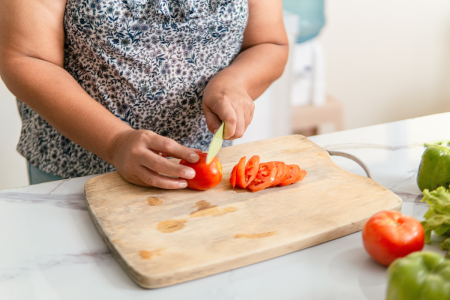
x,y
206,176
388,235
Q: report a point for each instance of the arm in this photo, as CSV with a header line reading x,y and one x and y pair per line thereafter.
x,y
229,95
31,65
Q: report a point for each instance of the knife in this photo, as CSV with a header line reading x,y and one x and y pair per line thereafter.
x,y
215,144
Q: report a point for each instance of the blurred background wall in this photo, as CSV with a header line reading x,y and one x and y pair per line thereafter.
x,y
386,60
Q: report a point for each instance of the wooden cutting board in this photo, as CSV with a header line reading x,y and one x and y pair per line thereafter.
x,y
163,237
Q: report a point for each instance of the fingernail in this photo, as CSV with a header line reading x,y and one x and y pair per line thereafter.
x,y
194,157
189,174
182,185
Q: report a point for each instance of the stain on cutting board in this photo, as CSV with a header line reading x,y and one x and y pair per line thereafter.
x,y
154,201
202,205
149,254
254,235
170,226
205,209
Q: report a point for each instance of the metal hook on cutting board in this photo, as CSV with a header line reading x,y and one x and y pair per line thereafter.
x,y
352,157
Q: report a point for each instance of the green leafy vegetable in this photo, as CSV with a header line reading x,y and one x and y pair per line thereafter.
x,y
437,218
445,245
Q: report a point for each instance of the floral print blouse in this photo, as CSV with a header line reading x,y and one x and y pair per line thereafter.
x,y
146,61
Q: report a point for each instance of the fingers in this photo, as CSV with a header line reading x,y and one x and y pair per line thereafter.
x,y
139,156
164,166
237,115
212,120
227,113
240,125
146,177
249,112
170,147
245,119
247,109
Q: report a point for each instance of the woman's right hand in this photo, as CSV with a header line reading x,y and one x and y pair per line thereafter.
x,y
140,157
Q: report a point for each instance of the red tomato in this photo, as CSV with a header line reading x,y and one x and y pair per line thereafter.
x,y
388,235
240,173
251,169
264,178
233,177
206,176
294,171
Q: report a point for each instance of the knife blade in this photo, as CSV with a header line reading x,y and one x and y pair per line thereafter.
x,y
215,145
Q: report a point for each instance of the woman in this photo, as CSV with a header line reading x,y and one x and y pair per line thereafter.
x,y
121,84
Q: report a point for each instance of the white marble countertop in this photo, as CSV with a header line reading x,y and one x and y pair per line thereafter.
x,y
50,249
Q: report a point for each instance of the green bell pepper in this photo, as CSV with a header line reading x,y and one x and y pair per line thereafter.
x,y
419,276
434,169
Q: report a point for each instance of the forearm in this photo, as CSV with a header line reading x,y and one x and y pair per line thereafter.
x,y
257,67
55,95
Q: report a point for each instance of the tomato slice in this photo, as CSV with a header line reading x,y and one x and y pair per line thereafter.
x,y
251,169
240,173
265,177
233,177
294,171
286,173
281,172
301,175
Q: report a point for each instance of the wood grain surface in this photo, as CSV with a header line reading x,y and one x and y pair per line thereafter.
x,y
163,237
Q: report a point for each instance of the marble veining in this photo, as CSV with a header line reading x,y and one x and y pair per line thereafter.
x,y
70,201
409,176
407,197
44,262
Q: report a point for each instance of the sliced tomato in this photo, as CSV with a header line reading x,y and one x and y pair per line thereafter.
x,y
233,177
281,172
251,169
294,170
276,167
301,175
265,177
286,172
240,173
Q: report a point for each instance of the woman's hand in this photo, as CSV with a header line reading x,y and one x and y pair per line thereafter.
x,y
139,156
229,95
226,99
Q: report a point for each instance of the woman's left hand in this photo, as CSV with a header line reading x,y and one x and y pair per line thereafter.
x,y
226,99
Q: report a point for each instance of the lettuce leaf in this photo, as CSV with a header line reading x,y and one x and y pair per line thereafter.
x,y
437,218
445,245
